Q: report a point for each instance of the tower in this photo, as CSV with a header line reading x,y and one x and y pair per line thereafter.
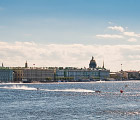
x,y
103,65
92,63
26,64
2,65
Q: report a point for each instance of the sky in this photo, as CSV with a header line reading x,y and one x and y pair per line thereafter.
x,y
61,33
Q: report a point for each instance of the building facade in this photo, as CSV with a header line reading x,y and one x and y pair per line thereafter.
x,y
54,74
33,74
73,74
38,75
133,75
6,74
17,74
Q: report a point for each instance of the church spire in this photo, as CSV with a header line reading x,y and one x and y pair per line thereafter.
x,y
26,64
2,65
103,64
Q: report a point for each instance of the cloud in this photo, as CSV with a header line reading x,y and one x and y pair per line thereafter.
x,y
76,55
123,34
121,29
109,36
132,40
131,34
118,28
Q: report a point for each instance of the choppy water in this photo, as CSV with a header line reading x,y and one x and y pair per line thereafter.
x,y
70,101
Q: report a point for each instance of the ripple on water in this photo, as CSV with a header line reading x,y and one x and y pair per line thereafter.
x,y
70,101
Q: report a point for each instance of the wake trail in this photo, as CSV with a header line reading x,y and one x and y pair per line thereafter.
x,y
23,87
18,87
69,90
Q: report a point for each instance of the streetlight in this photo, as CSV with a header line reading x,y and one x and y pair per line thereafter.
x,y
121,73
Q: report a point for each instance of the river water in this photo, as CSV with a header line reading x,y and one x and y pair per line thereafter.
x,y
70,101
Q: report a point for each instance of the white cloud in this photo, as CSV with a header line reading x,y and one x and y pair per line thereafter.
x,y
77,55
132,40
109,36
131,34
118,28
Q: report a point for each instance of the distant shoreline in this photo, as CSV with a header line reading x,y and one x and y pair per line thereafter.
x,y
74,82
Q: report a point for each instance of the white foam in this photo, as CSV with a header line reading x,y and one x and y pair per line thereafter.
x,y
19,87
23,87
69,90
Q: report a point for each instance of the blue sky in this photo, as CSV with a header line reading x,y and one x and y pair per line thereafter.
x,y
68,22
65,21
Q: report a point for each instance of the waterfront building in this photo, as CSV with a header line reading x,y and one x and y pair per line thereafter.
x,y
103,74
38,74
6,74
82,74
17,74
113,76
124,75
33,74
52,74
119,76
75,74
133,75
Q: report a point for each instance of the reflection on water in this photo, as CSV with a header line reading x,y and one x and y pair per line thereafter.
x,y
70,101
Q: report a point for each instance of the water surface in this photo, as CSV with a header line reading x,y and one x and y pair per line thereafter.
x,y
70,101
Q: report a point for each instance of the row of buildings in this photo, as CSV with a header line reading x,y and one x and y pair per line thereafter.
x,y
56,74
125,75
53,74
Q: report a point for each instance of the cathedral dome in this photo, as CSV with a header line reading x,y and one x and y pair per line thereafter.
x,y
92,63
